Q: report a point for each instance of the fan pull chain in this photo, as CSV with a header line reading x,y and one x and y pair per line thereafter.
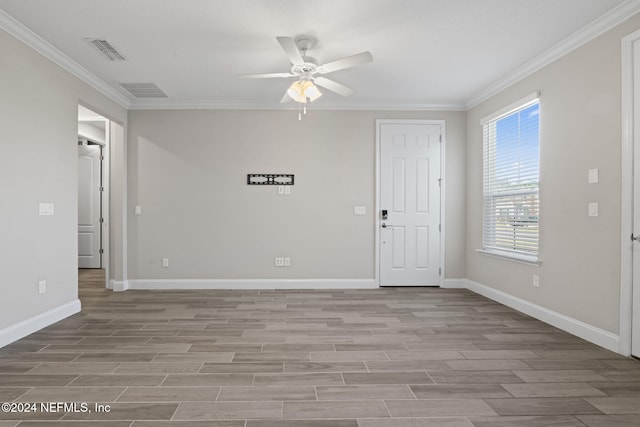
x,y
302,109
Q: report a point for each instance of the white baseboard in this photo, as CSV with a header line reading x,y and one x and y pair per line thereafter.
x,y
454,284
250,284
119,285
568,324
35,323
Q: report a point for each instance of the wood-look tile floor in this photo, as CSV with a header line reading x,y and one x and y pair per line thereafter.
x,y
392,357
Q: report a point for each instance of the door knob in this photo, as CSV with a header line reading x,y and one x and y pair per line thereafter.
x,y
386,225
636,238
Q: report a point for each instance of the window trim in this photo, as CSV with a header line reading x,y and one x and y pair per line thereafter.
x,y
522,259
520,104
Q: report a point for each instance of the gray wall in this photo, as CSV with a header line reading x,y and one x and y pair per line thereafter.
x,y
580,129
187,169
38,163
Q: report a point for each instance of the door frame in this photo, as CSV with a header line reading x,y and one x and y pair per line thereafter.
x,y
626,228
377,221
108,239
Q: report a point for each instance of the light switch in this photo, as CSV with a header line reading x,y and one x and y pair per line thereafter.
x,y
287,189
138,210
359,210
593,208
593,176
46,209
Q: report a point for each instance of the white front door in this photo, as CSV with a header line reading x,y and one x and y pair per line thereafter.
x,y
89,182
409,202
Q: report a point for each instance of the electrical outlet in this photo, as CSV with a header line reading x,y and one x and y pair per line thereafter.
x,y
287,262
279,262
42,286
165,262
536,281
46,209
287,189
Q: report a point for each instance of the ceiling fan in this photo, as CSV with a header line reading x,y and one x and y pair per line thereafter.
x,y
306,68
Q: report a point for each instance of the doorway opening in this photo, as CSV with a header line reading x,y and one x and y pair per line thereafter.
x,y
93,194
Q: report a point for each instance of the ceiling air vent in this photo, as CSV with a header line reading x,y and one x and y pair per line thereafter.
x,y
106,49
143,90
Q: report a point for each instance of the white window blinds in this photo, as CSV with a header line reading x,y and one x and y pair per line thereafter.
x,y
511,180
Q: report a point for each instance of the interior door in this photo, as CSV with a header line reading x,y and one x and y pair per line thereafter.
x,y
635,323
409,217
89,212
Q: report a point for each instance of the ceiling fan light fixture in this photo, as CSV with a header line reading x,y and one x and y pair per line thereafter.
x,y
296,92
311,91
300,90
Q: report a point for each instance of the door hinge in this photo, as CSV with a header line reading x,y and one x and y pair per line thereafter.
x,y
439,227
440,182
440,271
102,157
101,251
101,220
101,188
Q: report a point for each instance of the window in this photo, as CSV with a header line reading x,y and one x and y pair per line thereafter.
x,y
511,170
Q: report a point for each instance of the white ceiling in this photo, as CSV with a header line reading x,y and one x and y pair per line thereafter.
x,y
427,53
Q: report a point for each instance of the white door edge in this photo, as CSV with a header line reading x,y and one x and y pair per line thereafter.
x,y
627,152
379,123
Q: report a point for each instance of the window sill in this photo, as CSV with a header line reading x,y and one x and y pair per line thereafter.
x,y
522,259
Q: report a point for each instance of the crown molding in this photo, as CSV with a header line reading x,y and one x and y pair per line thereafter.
x,y
194,104
601,25
46,49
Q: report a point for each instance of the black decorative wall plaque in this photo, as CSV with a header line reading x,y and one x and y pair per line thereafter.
x,y
269,179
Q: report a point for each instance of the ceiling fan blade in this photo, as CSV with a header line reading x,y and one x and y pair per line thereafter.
x,y
266,75
346,62
333,86
290,48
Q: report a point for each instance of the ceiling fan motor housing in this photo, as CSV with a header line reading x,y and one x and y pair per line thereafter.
x,y
306,69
